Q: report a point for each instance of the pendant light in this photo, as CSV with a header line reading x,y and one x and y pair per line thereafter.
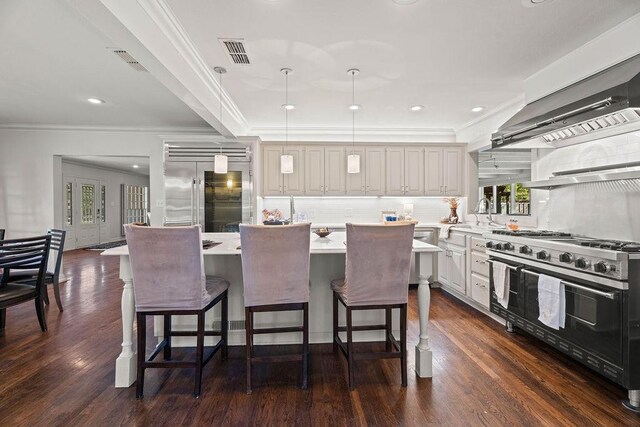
x,y
353,160
286,160
220,161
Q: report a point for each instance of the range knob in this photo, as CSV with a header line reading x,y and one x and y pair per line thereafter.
x,y
544,255
566,258
489,245
525,250
508,247
603,267
497,246
582,263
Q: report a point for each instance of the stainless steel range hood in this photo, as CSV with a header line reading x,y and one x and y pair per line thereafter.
x,y
605,104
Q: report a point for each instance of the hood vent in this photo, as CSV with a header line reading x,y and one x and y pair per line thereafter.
x,y
236,50
605,104
124,55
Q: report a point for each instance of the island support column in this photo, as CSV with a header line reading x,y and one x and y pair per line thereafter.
x,y
424,356
126,362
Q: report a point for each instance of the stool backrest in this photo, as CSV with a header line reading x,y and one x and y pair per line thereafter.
x,y
31,253
275,263
378,263
167,266
57,246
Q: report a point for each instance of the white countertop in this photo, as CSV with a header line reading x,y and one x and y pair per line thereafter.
x,y
332,244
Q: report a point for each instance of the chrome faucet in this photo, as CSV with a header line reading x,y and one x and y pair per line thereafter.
x,y
476,211
292,209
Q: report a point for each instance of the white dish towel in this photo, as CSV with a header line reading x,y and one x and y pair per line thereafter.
x,y
501,282
551,301
444,231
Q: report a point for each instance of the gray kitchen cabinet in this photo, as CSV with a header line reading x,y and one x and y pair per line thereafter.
x,y
395,171
375,171
443,171
335,171
293,183
314,171
452,263
355,183
272,179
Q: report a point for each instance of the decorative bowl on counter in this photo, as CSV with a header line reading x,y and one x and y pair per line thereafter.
x,y
322,232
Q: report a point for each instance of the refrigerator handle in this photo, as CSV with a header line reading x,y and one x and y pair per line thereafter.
x,y
193,190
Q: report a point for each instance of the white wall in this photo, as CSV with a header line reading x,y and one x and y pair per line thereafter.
x,y
112,179
27,166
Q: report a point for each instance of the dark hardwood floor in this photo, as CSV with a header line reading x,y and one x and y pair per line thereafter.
x,y
482,375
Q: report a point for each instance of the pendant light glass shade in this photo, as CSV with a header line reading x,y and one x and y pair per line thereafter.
x,y
286,160
220,163
286,163
353,160
353,163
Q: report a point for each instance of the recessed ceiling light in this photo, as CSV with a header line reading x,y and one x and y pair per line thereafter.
x,y
96,101
477,109
288,106
533,3
416,107
404,2
354,107
135,166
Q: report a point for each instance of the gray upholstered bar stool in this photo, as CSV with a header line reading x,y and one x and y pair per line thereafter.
x,y
275,272
167,267
376,277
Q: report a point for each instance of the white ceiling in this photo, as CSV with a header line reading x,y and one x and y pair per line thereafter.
x,y
121,163
53,60
447,55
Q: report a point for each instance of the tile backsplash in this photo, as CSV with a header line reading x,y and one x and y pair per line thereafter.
x,y
338,210
600,209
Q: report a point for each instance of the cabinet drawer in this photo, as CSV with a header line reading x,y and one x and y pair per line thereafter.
x,y
479,264
480,289
478,244
456,239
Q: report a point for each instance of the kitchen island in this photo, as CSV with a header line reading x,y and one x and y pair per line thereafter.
x,y
223,259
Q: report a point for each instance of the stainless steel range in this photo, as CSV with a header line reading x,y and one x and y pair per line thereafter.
x,y
601,280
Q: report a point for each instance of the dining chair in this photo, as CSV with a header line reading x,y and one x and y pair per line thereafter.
x,y
167,267
275,273
24,254
377,271
52,275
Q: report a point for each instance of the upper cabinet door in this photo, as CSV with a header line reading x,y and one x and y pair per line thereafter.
x,y
453,171
395,171
294,182
271,176
314,167
413,171
355,182
375,171
335,169
433,164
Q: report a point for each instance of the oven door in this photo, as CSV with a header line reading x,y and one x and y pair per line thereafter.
x,y
593,314
516,288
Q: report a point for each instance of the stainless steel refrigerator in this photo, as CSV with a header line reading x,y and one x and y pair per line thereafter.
x,y
195,194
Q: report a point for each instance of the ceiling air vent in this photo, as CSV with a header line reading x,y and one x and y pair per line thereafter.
x,y
124,55
236,50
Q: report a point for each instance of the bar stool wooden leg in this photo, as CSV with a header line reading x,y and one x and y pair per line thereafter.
x,y
403,343
141,326
335,323
199,355
249,331
167,336
224,326
350,366
305,346
388,331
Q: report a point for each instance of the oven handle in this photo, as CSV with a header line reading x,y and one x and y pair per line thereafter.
x,y
609,295
508,266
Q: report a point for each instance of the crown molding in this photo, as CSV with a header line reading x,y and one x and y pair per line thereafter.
x,y
85,128
164,18
345,134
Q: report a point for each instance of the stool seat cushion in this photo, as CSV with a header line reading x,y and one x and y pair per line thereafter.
x,y
12,291
214,286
